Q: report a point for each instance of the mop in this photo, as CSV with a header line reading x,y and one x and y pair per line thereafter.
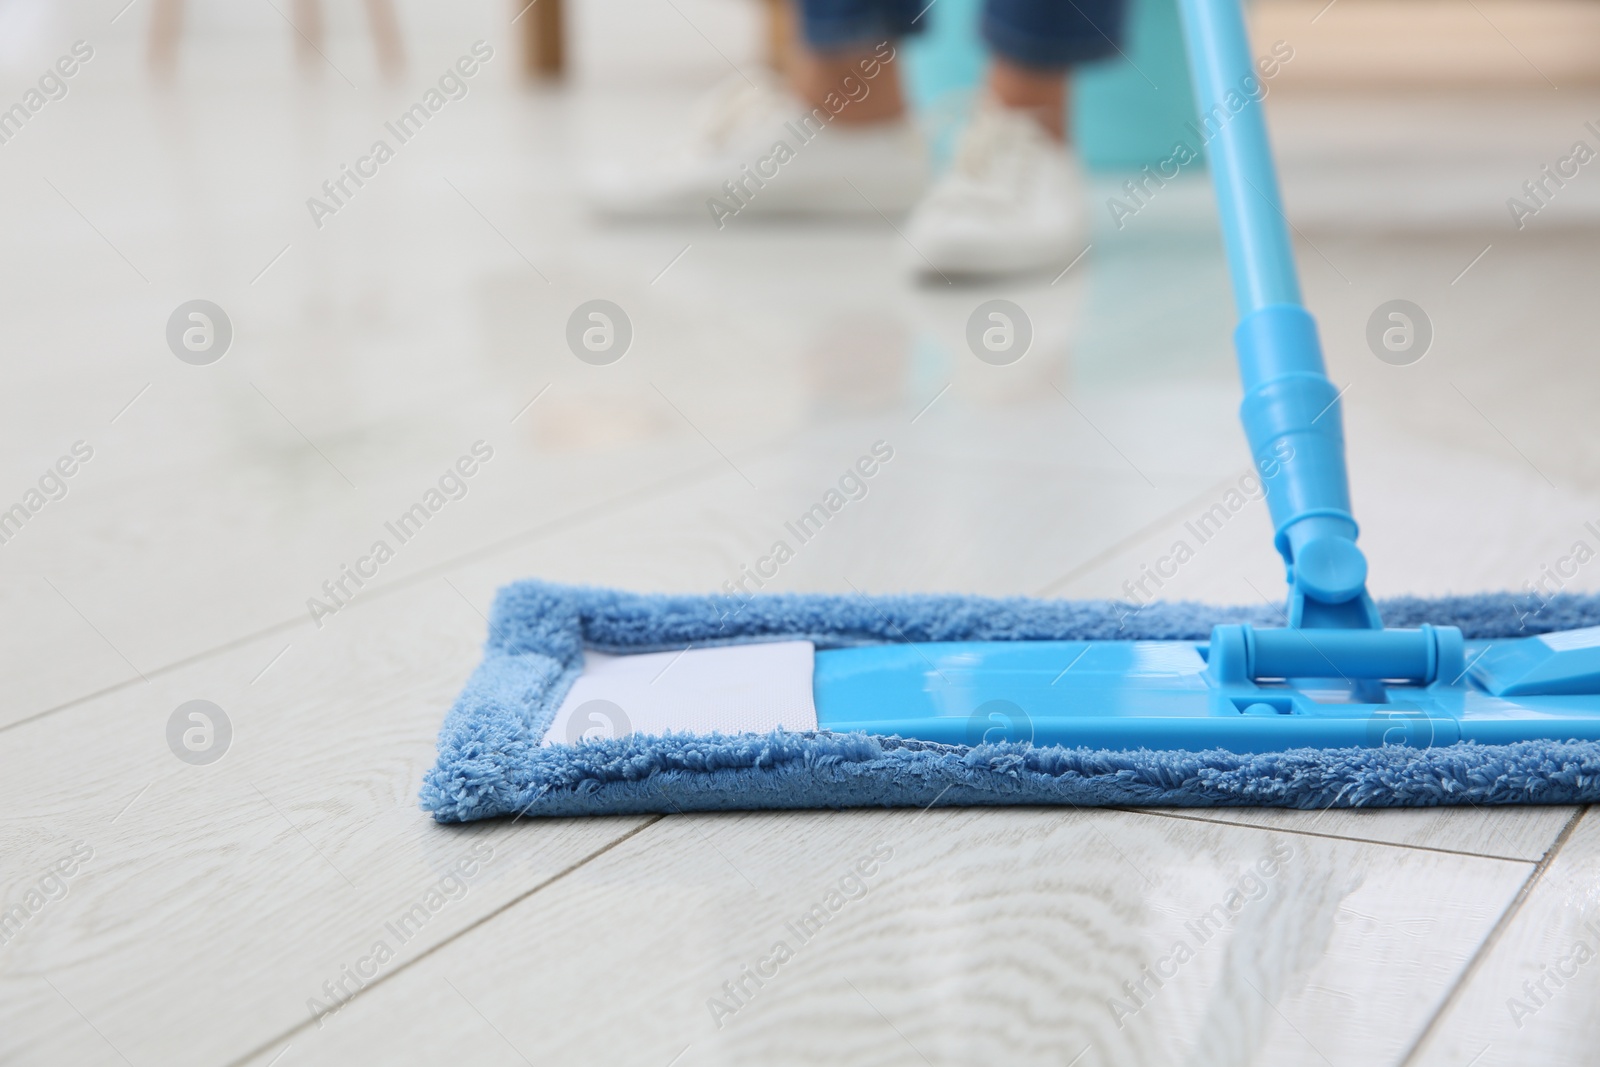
x,y
594,701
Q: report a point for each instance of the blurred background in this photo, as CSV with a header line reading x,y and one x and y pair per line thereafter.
x,y
373,345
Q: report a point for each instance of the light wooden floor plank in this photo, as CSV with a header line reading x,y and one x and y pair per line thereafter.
x,y
1531,998
1518,832
217,899
980,937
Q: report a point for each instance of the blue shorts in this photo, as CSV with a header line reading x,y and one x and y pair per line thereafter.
x,y
1045,34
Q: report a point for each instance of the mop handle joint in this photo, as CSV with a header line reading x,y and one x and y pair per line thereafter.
x,y
1291,411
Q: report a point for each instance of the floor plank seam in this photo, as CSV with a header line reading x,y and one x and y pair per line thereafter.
x,y
264,1047
1332,837
1487,944
165,669
399,584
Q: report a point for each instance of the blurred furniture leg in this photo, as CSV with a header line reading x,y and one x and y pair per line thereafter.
x,y
166,27
386,35
780,33
544,53
166,24
308,33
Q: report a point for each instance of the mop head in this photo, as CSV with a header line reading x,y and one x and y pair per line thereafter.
x,y
543,726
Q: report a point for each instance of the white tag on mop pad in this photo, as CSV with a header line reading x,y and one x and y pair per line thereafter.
x,y
730,689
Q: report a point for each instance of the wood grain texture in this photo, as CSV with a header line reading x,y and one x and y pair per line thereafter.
x,y
218,899
982,937
1531,997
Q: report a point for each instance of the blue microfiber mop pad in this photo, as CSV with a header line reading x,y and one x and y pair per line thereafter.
x,y
492,762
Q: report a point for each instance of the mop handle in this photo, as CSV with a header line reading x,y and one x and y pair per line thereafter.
x,y
1291,410
1227,91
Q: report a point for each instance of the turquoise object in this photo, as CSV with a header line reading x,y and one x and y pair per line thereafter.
x,y
1130,112
944,66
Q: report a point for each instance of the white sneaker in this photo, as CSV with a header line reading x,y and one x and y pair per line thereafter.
x,y
756,149
1012,201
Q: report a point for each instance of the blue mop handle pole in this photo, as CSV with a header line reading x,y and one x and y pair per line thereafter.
x,y
1260,257
1291,410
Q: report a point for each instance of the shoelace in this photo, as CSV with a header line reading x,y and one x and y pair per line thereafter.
x,y
731,105
992,155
